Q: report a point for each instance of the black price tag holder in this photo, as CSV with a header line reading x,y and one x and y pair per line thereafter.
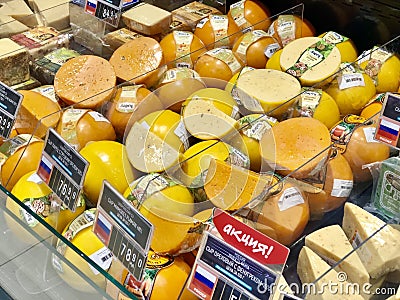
x,y
10,102
388,125
63,169
123,230
108,10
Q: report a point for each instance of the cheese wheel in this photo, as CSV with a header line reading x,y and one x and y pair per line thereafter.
x,y
218,63
217,31
139,61
295,143
85,81
254,48
88,127
267,90
314,65
275,61
123,104
373,108
36,114
286,211
230,187
247,13
181,48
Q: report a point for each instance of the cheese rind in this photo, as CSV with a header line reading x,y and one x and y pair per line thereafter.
x,y
380,254
14,62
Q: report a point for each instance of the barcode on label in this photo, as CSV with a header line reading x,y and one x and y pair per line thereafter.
x,y
357,241
107,257
342,188
291,197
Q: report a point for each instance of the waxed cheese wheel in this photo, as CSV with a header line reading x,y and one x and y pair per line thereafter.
x,y
139,61
85,81
250,14
310,59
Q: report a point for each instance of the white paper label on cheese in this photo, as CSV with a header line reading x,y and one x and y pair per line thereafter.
x,y
290,197
342,188
271,49
364,56
237,13
346,81
247,40
309,100
286,28
202,22
271,29
29,219
183,41
363,251
103,258
182,134
47,91
334,37
369,133
125,107
237,158
35,178
98,117
219,23
235,112
257,129
227,57
380,54
130,91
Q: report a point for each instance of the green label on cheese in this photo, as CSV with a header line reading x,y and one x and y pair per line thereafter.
x,y
377,58
311,57
308,102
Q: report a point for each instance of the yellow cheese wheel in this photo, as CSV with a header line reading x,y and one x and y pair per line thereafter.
x,y
122,105
181,44
286,211
216,31
351,100
373,107
255,47
347,48
250,13
92,126
293,143
85,81
295,58
218,63
275,61
139,61
36,110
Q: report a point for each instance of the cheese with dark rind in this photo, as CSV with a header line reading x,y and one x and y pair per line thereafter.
x,y
14,62
86,81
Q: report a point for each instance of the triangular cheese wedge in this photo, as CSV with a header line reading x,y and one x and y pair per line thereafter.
x,y
381,253
331,244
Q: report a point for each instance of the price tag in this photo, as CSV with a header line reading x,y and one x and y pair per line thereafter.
x,y
10,101
123,229
236,262
63,169
388,127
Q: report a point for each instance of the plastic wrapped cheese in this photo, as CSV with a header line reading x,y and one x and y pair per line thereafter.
x,y
193,12
14,61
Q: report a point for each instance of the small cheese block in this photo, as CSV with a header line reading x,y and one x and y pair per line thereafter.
x,y
54,13
285,210
380,254
36,114
115,39
331,244
267,90
18,9
45,68
205,121
231,187
41,40
10,26
310,59
147,19
29,84
296,144
311,267
86,81
149,153
193,12
14,62
139,61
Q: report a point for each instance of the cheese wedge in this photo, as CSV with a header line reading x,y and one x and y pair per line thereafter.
x,y
331,244
86,81
205,121
14,62
230,187
293,55
380,254
310,267
149,153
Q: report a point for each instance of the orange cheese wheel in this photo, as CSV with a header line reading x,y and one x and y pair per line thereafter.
x,y
92,126
36,110
253,48
178,44
293,143
85,81
125,101
218,63
139,61
217,31
250,13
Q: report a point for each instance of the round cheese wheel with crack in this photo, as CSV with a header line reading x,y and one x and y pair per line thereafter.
x,y
36,110
139,61
248,13
310,59
295,144
86,81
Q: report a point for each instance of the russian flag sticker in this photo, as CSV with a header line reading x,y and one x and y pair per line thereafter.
x,y
44,170
388,132
102,228
203,282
